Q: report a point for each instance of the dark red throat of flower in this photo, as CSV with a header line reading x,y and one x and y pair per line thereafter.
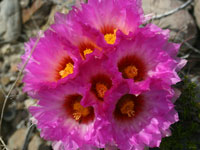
x,y
101,83
132,67
128,107
76,111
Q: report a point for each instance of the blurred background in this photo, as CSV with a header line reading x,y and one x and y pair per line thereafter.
x,y
22,19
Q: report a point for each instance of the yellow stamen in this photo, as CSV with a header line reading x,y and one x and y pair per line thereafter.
x,y
110,38
80,111
131,71
68,70
101,89
87,51
128,108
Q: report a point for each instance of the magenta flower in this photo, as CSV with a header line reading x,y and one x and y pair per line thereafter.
x,y
52,63
143,120
98,79
69,27
101,80
108,17
61,116
145,55
95,25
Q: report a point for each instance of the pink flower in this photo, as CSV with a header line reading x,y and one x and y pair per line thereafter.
x,y
61,116
145,55
69,27
51,63
101,81
108,17
142,120
97,79
95,25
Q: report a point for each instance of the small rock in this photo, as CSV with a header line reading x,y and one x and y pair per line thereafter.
x,y
24,3
10,20
9,114
16,141
13,78
21,97
19,106
34,143
14,68
197,12
5,49
5,80
181,23
29,102
6,67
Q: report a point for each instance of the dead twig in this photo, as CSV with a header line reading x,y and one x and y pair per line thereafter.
x,y
190,46
3,144
28,137
157,17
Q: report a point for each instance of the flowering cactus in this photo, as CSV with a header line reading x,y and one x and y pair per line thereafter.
x,y
101,80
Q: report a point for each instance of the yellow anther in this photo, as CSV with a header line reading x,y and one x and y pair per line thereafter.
x,y
128,108
77,115
87,51
101,89
68,70
110,38
79,111
131,71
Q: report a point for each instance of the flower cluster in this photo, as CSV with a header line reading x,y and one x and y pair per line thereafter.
x,y
101,80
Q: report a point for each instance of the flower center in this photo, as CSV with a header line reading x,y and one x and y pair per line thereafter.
x,y
132,67
128,108
101,89
69,68
76,111
87,51
101,83
130,71
110,38
80,111
87,47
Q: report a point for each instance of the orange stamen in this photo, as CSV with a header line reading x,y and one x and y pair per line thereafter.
x,y
101,89
68,70
80,111
128,108
87,51
110,38
130,71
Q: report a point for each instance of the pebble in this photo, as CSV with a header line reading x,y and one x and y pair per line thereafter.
x,y
29,102
16,141
197,12
5,80
9,114
35,143
21,97
10,20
